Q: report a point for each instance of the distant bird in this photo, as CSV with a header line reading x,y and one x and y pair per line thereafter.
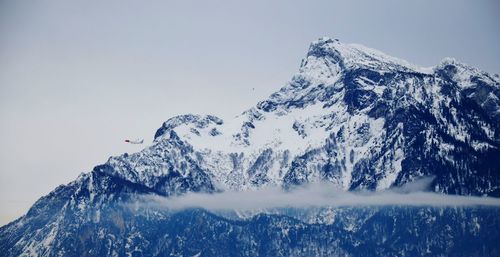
x,y
135,142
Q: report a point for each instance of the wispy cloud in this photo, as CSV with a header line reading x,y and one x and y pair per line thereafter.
x,y
316,195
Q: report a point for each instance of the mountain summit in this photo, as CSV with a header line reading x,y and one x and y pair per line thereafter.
x,y
352,116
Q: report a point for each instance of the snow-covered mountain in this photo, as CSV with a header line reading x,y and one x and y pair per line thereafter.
x,y
352,116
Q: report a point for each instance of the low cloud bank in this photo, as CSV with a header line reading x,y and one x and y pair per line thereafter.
x,y
317,195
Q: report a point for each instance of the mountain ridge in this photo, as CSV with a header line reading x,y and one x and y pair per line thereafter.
x,y
359,84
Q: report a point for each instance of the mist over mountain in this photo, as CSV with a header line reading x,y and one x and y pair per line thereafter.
x,y
353,123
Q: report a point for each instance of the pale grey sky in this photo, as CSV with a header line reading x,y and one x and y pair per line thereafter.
x,y
77,77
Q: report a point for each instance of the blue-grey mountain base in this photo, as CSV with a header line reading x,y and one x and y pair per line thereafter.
x,y
337,156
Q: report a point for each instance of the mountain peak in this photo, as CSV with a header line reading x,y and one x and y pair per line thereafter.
x,y
197,122
322,47
333,52
452,63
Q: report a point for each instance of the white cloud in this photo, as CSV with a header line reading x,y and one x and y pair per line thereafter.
x,y
316,195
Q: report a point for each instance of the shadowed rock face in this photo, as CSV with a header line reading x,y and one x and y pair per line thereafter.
x,y
351,116
385,231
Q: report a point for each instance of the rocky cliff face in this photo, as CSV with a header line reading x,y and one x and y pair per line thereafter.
x,y
351,116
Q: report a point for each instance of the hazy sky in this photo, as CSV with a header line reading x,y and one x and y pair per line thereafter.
x,y
78,77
